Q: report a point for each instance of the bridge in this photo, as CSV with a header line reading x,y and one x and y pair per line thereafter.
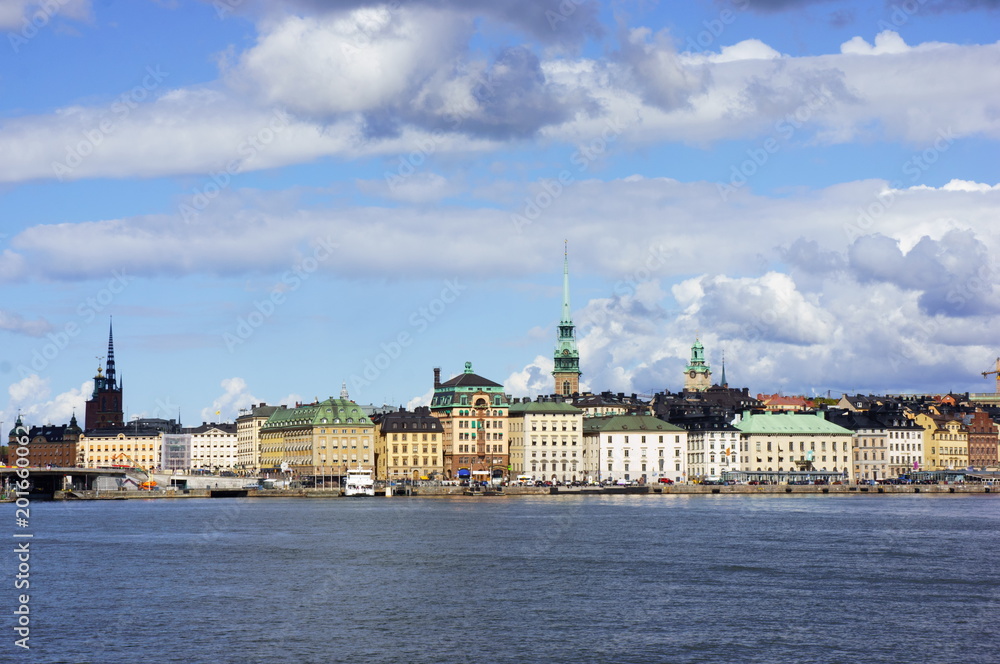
x,y
48,480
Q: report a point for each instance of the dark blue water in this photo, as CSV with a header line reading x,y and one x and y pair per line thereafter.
x,y
619,579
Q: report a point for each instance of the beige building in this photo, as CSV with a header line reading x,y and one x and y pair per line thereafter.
x,y
473,414
784,441
248,426
318,441
409,446
104,449
546,440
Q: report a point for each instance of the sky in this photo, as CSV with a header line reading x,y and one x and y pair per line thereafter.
x,y
273,198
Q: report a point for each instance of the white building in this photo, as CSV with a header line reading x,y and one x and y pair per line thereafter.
x,y
778,441
713,447
131,448
213,447
546,440
635,448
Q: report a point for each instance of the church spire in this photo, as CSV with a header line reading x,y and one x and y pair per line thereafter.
x,y
109,372
567,315
566,360
722,381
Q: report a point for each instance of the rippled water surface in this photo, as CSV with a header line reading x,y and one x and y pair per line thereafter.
x,y
772,579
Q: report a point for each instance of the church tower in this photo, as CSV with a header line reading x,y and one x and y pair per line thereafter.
x,y
104,409
697,374
566,369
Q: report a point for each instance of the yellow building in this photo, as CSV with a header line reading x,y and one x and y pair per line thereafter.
x,y
104,449
409,446
946,441
317,441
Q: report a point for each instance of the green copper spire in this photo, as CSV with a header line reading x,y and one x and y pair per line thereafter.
x,y
566,365
567,318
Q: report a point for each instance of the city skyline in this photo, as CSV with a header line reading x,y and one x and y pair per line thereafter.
x,y
295,196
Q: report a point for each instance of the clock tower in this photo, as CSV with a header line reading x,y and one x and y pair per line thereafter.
x,y
697,374
566,369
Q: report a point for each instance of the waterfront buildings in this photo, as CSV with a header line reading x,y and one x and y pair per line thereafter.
x,y
546,440
473,414
639,448
787,441
409,446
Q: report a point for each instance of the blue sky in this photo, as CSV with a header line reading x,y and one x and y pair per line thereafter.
x,y
273,198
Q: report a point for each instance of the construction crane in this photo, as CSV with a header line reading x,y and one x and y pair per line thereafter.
x,y
149,484
996,371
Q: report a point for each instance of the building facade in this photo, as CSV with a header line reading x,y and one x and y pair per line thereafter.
x,y
409,445
787,441
318,442
473,414
213,447
713,448
546,440
248,426
110,448
54,445
982,432
635,448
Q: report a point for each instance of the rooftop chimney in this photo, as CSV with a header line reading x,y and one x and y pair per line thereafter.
x,y
437,377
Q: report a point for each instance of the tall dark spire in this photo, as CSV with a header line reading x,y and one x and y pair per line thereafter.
x,y
109,372
723,382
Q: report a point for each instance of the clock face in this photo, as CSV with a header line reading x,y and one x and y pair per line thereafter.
x,y
691,373
565,351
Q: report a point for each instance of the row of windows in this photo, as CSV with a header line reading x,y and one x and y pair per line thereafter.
x,y
396,437
802,446
642,439
553,454
395,448
544,441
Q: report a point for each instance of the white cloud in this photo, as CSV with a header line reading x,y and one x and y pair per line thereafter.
x,y
225,408
28,16
31,395
13,322
886,41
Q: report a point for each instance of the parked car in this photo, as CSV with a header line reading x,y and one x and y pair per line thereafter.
x,y
666,480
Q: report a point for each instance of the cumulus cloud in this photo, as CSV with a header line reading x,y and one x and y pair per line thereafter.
x,y
32,397
225,408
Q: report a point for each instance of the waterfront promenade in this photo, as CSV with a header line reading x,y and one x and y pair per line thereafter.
x,y
554,492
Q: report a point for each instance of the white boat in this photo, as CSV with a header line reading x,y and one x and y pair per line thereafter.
x,y
359,482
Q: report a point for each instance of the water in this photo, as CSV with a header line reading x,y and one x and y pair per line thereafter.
x,y
551,579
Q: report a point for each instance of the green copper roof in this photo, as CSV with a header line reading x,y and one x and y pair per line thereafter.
x,y
331,412
542,407
784,423
628,423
